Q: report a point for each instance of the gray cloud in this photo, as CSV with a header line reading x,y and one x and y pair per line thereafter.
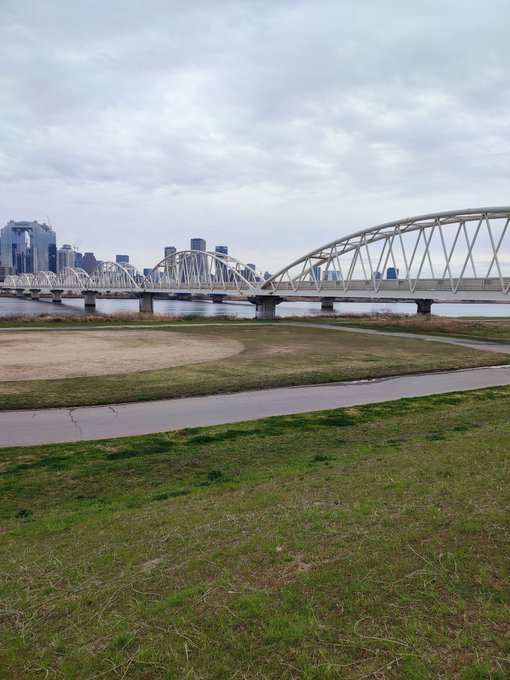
x,y
270,126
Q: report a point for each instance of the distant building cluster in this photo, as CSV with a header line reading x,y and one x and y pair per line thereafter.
x,y
332,275
27,247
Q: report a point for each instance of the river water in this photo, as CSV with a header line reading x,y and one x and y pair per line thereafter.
x,y
242,310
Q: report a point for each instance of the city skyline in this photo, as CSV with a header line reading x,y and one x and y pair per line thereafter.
x,y
67,255
273,127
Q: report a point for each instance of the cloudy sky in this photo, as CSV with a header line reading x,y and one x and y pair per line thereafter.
x,y
272,126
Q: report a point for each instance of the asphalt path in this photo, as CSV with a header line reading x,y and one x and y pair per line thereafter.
x,y
48,426
25,428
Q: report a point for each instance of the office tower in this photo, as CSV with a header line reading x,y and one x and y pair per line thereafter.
x,y
249,272
222,273
199,272
198,244
392,273
170,250
65,257
28,247
89,262
52,258
315,274
122,259
78,260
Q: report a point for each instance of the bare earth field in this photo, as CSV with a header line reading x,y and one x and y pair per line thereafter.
x,y
41,355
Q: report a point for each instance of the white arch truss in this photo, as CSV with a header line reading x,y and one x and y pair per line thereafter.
x,y
27,280
195,270
110,276
456,252
11,281
46,280
70,278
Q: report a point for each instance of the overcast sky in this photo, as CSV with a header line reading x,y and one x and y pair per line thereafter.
x,y
272,126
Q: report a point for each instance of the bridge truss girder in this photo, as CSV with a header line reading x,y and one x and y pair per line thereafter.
x,y
201,272
451,252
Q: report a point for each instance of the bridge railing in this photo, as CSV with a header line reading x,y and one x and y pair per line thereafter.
x,y
375,285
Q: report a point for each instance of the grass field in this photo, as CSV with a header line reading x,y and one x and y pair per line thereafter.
x,y
492,330
274,356
362,543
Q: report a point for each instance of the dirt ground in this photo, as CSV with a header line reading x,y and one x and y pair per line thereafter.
x,y
39,355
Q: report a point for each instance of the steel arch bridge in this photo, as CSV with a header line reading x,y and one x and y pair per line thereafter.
x,y
461,255
188,271
455,255
201,272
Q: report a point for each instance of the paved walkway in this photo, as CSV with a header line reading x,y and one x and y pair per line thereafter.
x,y
23,428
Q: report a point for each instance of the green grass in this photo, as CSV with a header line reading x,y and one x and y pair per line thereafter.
x,y
370,542
274,356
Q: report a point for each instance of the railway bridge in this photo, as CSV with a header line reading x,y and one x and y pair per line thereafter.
x,y
454,256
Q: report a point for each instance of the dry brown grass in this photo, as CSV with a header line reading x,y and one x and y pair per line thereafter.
x,y
98,318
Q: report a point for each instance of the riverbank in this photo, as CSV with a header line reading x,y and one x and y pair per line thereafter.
x,y
352,543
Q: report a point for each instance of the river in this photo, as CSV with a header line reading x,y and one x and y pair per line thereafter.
x,y
10,306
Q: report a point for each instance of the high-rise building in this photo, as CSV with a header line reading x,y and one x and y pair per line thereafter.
x,y
392,273
249,272
222,272
315,274
200,268
122,259
28,247
65,257
89,262
78,260
198,244
170,250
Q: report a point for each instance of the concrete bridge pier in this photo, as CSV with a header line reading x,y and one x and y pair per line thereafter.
x,y
265,306
146,303
327,304
90,298
19,292
56,295
217,297
423,306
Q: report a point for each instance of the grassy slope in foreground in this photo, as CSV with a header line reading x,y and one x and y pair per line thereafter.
x,y
273,356
368,542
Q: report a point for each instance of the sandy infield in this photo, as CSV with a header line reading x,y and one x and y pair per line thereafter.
x,y
44,355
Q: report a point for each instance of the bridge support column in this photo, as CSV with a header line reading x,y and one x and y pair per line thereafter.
x,y
217,297
19,292
265,306
34,293
90,298
424,306
327,304
56,295
146,303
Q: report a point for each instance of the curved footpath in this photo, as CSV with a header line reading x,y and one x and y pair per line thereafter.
x,y
25,428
